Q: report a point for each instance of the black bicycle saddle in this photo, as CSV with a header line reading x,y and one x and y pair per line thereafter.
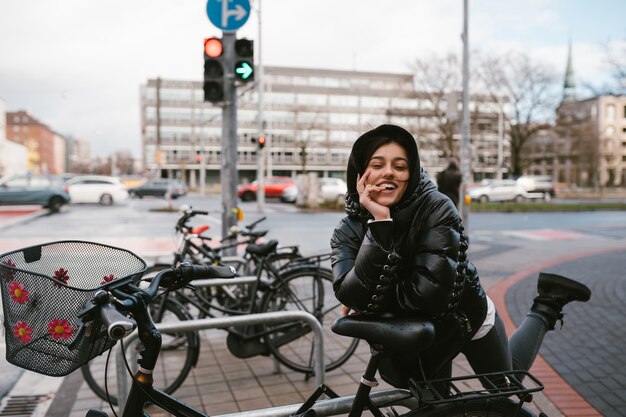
x,y
401,334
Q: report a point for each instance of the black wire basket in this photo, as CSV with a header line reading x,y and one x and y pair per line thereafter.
x,y
44,287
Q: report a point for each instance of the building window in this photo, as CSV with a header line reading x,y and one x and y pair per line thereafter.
x,y
610,112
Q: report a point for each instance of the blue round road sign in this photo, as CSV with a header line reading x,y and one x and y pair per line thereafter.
x,y
228,15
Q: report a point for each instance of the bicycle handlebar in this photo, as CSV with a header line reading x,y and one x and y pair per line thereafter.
x,y
118,325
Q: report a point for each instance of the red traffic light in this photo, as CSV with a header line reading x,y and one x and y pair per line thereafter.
x,y
261,141
213,47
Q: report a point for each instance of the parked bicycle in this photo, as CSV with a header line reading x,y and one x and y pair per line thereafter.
x,y
198,248
284,280
55,338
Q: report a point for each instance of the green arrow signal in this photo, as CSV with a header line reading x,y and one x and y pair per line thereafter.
x,y
243,70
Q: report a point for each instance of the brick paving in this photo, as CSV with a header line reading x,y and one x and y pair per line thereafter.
x,y
588,351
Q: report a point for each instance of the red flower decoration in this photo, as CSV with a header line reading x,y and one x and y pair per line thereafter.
x,y
61,276
7,273
18,293
107,278
60,329
22,331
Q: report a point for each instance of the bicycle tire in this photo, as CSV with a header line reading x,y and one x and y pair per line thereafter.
x,y
237,297
305,288
491,407
179,354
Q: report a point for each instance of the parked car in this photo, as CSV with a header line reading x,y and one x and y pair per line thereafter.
x,y
283,188
332,189
498,190
99,189
159,188
543,184
45,190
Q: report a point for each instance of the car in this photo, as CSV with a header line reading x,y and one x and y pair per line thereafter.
x,y
159,188
332,189
45,190
543,184
498,190
100,189
283,188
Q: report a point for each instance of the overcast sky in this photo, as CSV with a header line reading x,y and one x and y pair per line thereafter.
x,y
76,65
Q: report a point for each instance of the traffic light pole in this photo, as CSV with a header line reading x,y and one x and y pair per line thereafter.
x,y
466,157
229,140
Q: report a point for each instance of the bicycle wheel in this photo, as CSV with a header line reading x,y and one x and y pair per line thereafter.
x,y
179,354
305,288
492,407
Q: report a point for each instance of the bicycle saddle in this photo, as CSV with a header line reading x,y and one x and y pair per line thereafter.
x,y
402,334
262,249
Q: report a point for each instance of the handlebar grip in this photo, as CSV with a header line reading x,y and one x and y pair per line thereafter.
x,y
178,277
190,272
118,325
253,224
199,213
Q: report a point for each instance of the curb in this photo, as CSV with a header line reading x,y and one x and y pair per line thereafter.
x,y
8,220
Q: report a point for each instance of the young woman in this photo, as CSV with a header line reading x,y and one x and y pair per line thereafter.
x,y
401,250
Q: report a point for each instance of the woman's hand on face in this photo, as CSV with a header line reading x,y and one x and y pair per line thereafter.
x,y
367,194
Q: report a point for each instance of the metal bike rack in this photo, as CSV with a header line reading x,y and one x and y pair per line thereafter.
x,y
224,322
334,406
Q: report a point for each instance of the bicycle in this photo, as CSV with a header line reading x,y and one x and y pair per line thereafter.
x,y
206,252
302,284
109,311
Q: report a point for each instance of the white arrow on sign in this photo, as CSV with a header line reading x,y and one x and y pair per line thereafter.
x,y
238,12
245,70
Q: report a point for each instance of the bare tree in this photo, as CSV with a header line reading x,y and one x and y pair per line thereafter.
x,y
438,80
124,161
532,93
616,61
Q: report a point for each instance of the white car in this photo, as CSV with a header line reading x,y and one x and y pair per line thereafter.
x,y
498,190
332,189
97,189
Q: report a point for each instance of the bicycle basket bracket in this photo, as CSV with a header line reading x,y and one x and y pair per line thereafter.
x,y
44,287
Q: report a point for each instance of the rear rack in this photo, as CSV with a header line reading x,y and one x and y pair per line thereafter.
x,y
312,259
427,393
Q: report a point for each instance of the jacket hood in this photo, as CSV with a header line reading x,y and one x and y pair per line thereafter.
x,y
364,148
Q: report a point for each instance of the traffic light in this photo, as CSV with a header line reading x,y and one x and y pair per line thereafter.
x,y
198,157
244,60
261,141
213,70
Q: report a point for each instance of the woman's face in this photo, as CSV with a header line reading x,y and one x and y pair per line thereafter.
x,y
388,169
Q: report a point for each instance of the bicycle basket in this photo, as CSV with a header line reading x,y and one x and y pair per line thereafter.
x,y
43,289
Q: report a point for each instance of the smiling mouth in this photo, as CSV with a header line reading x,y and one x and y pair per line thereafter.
x,y
389,187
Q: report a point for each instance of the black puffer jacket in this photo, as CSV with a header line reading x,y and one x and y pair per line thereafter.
x,y
408,265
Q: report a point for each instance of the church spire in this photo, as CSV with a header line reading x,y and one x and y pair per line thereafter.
x,y
569,85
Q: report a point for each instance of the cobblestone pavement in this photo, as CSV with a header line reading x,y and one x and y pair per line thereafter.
x,y
588,351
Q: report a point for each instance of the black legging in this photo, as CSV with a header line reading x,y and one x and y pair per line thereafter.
x,y
494,352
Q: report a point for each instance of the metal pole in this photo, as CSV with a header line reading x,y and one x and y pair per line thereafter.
x,y
500,143
260,197
465,123
229,140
